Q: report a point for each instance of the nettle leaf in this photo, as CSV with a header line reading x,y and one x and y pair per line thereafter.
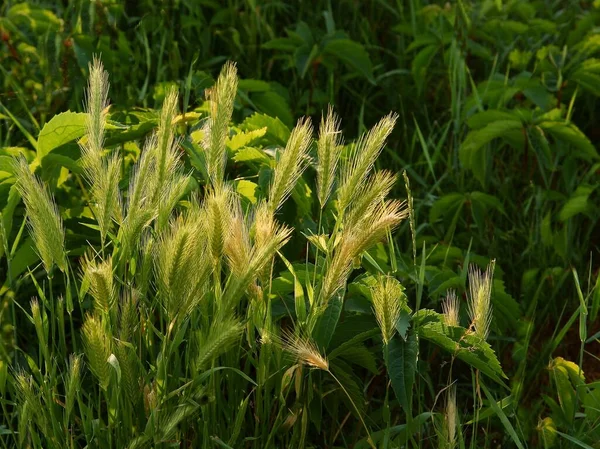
x,y
401,363
353,387
484,118
247,190
353,55
327,322
587,75
461,344
577,204
275,105
571,134
275,127
446,205
471,149
243,139
358,354
250,154
61,129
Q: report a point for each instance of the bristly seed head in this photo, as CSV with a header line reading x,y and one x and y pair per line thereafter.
x,y
388,299
451,309
304,350
480,294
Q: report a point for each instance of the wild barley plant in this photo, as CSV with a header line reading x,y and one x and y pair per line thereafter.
x,y
176,294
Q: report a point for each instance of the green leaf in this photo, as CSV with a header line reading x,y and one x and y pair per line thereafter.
x,y
467,347
569,133
275,105
353,391
61,129
500,413
283,43
421,62
357,339
401,364
247,189
299,300
250,154
353,55
470,152
275,127
243,139
446,205
484,118
577,204
327,322
358,354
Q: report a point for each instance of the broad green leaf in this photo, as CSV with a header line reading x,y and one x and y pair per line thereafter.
x,y
569,133
250,154
401,362
460,343
327,322
421,62
243,139
61,129
246,189
283,43
473,144
357,339
352,394
484,118
577,204
446,205
299,300
358,354
251,85
275,127
275,105
352,54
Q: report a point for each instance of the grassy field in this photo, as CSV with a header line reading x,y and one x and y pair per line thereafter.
x,y
265,224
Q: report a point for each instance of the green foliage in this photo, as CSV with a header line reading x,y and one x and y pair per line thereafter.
x,y
207,274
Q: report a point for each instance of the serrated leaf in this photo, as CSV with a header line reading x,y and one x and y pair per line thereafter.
x,y
275,105
353,55
246,189
473,144
250,154
327,322
571,134
353,394
61,129
358,354
243,139
456,340
275,127
577,204
401,364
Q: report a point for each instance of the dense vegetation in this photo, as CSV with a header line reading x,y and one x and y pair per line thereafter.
x,y
312,224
